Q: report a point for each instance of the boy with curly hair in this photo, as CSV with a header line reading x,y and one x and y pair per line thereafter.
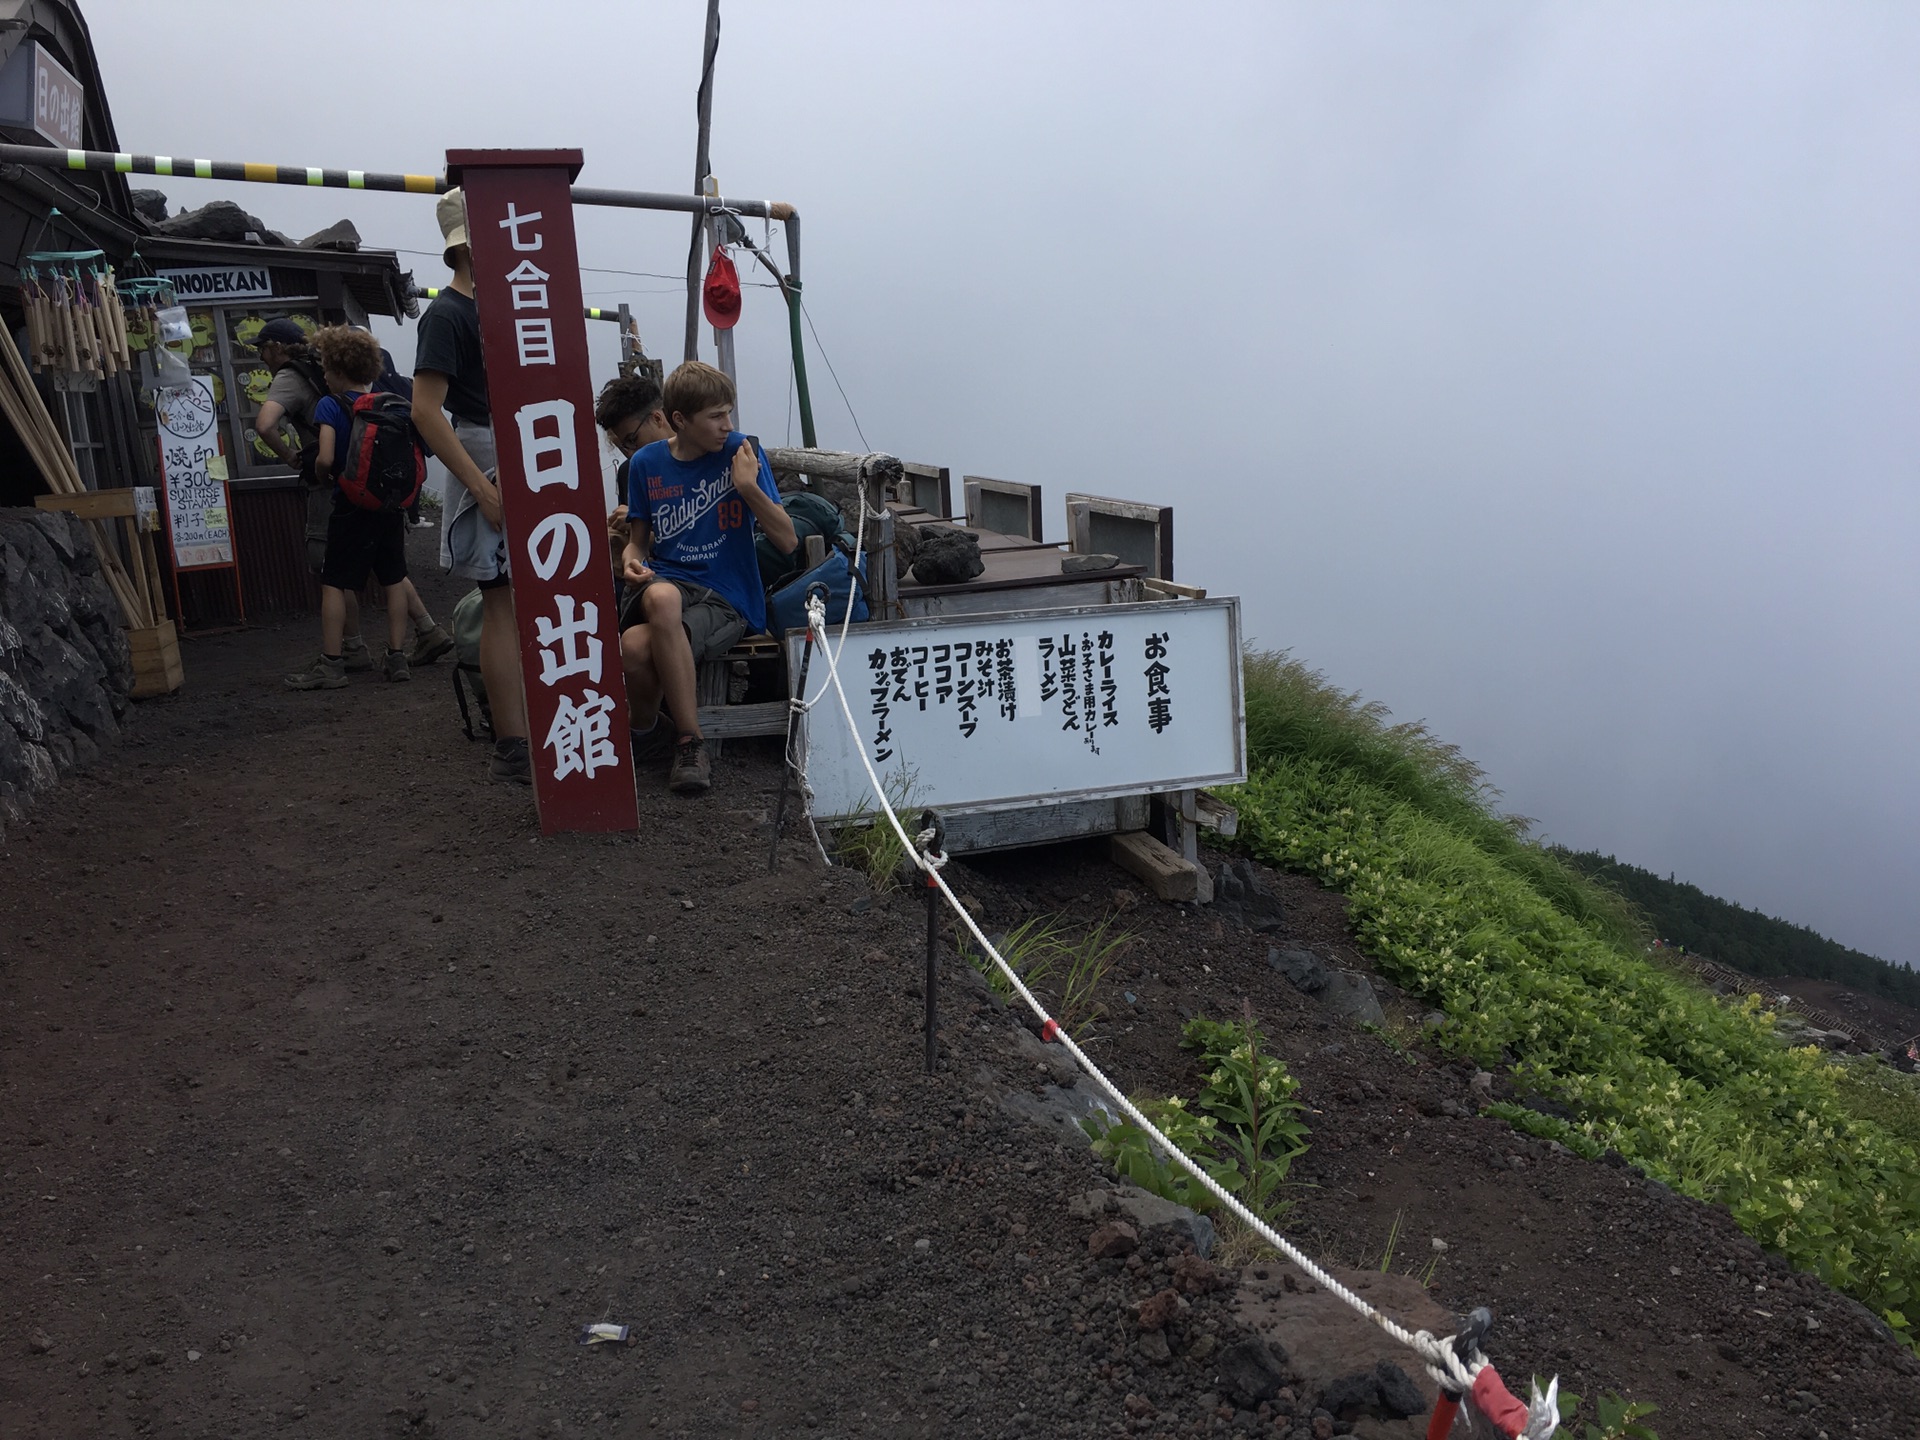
x,y
359,541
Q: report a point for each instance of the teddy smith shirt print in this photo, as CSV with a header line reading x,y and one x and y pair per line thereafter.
x,y
702,528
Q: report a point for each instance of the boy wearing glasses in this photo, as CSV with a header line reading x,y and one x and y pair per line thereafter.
x,y
629,412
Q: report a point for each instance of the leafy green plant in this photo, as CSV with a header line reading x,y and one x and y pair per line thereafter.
x,y
1618,1418
1243,1128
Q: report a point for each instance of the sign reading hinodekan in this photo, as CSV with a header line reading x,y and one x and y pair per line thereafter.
x,y
526,277
202,283
980,712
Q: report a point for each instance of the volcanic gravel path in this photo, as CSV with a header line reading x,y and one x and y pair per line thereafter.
x,y
334,1100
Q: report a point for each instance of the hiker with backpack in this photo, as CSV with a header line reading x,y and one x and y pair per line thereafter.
x,y
366,447
298,386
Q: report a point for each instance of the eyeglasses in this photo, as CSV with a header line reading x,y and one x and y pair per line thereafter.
x,y
630,441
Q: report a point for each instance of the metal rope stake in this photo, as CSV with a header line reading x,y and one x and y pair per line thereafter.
x,y
796,707
932,837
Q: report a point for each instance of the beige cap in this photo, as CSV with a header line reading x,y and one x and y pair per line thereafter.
x,y
451,212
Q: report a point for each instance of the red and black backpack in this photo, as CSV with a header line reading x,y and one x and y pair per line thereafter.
x,y
384,466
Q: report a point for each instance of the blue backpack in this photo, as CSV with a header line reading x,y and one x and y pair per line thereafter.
x,y
846,586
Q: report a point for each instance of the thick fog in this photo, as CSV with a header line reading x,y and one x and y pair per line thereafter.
x,y
1548,372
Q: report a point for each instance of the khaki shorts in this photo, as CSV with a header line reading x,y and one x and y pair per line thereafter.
x,y
713,626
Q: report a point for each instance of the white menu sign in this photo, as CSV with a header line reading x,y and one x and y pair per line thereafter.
x,y
980,712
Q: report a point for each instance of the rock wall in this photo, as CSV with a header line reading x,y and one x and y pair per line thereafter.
x,y
65,673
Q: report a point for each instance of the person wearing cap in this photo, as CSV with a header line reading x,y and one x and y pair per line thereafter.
x,y
450,411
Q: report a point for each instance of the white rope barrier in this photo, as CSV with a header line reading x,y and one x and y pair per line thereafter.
x,y
1454,1373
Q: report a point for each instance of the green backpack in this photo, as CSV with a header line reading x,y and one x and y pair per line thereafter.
x,y
811,515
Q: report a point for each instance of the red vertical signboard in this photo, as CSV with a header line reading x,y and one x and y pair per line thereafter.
x,y
526,280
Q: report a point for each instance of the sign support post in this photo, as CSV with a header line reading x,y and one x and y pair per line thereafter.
x,y
526,280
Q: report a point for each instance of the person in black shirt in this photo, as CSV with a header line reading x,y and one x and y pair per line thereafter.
x,y
449,379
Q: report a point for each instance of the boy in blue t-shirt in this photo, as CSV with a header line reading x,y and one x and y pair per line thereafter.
x,y
359,541
692,576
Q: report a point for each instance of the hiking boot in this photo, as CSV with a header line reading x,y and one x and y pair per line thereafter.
x,y
396,665
354,652
430,645
511,760
327,672
654,744
692,772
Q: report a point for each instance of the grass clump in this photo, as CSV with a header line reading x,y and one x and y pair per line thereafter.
x,y
1540,970
868,843
1068,962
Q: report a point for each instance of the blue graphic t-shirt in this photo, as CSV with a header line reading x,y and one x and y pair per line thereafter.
x,y
702,528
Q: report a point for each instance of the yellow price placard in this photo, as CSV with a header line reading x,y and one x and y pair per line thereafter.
x,y
216,467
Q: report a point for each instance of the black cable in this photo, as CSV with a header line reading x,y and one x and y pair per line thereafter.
x,y
836,378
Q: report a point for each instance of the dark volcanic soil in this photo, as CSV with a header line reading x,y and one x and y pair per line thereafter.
x,y
335,1100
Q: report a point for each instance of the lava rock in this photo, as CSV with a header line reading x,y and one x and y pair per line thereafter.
x,y
149,204
1251,1371
341,236
1351,997
1078,564
220,220
1306,970
65,671
947,556
1240,894
1112,1240
1156,1310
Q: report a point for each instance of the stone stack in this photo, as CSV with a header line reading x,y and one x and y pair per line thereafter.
x,y
65,673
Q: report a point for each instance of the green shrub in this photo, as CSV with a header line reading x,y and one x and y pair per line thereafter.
x,y
1544,973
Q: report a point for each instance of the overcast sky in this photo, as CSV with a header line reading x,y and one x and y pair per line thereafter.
x,y
1551,373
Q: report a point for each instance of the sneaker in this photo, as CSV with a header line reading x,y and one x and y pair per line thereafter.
x,y
653,744
353,650
692,772
327,672
511,760
430,645
396,665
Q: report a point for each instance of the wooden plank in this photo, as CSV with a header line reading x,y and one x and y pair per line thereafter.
x,y
1042,824
930,483
1168,590
1216,815
154,639
966,600
723,722
90,504
1019,501
1166,874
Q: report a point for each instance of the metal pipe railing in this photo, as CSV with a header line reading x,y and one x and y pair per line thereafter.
x,y
249,172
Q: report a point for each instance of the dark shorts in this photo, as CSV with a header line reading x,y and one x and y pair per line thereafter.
x,y
362,542
713,626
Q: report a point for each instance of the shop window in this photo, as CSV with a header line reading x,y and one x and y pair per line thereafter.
x,y
223,350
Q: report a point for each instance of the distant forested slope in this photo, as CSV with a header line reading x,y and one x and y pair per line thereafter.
x,y
1686,915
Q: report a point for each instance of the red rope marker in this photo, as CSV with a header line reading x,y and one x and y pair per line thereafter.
x,y
1050,1031
1493,1400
